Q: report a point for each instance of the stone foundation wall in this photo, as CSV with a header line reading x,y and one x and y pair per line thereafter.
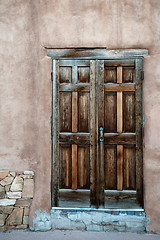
x,y
97,220
16,194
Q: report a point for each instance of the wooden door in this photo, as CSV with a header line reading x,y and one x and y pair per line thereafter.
x,y
97,131
119,96
74,143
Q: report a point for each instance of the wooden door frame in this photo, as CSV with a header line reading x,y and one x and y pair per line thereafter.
x,y
97,54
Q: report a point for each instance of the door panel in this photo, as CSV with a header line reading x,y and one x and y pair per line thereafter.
x,y
110,74
83,74
110,112
83,168
83,112
129,112
65,74
129,167
128,74
110,167
65,110
65,166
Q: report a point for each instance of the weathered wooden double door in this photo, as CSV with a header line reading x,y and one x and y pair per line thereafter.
x,y
97,133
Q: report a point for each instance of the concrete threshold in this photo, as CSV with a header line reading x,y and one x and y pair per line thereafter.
x,y
92,219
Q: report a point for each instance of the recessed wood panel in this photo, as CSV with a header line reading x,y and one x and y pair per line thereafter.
x,y
110,166
65,108
83,167
119,112
74,166
128,74
83,74
110,112
65,167
119,167
83,112
74,111
128,112
65,74
129,168
110,75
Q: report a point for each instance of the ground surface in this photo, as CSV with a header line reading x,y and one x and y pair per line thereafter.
x,y
75,235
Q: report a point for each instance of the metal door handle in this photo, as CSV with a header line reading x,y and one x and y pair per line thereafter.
x,y
101,137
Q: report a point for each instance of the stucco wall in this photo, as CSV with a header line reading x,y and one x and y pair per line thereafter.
x,y
26,27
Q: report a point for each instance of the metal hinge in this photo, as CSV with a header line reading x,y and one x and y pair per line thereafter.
x,y
51,76
142,75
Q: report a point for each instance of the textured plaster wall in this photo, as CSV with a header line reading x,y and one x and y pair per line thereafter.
x,y
26,27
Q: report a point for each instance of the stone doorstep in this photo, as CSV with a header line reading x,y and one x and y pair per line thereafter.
x,y
98,220
137,212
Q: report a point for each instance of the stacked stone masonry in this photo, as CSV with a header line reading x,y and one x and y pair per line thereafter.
x,y
16,194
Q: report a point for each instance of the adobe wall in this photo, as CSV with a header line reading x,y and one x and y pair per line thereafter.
x,y
25,93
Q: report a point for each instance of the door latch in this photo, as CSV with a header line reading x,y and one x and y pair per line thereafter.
x,y
101,138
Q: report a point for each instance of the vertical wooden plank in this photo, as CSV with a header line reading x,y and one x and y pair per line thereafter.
x,y
93,132
74,129
74,166
86,169
139,125
55,131
81,156
66,158
119,167
100,110
127,167
119,130
119,74
74,74
74,146
119,102
74,111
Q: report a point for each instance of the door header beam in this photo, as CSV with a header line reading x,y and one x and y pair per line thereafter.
x,y
95,53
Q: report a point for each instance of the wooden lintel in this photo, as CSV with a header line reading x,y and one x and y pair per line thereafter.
x,y
95,53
